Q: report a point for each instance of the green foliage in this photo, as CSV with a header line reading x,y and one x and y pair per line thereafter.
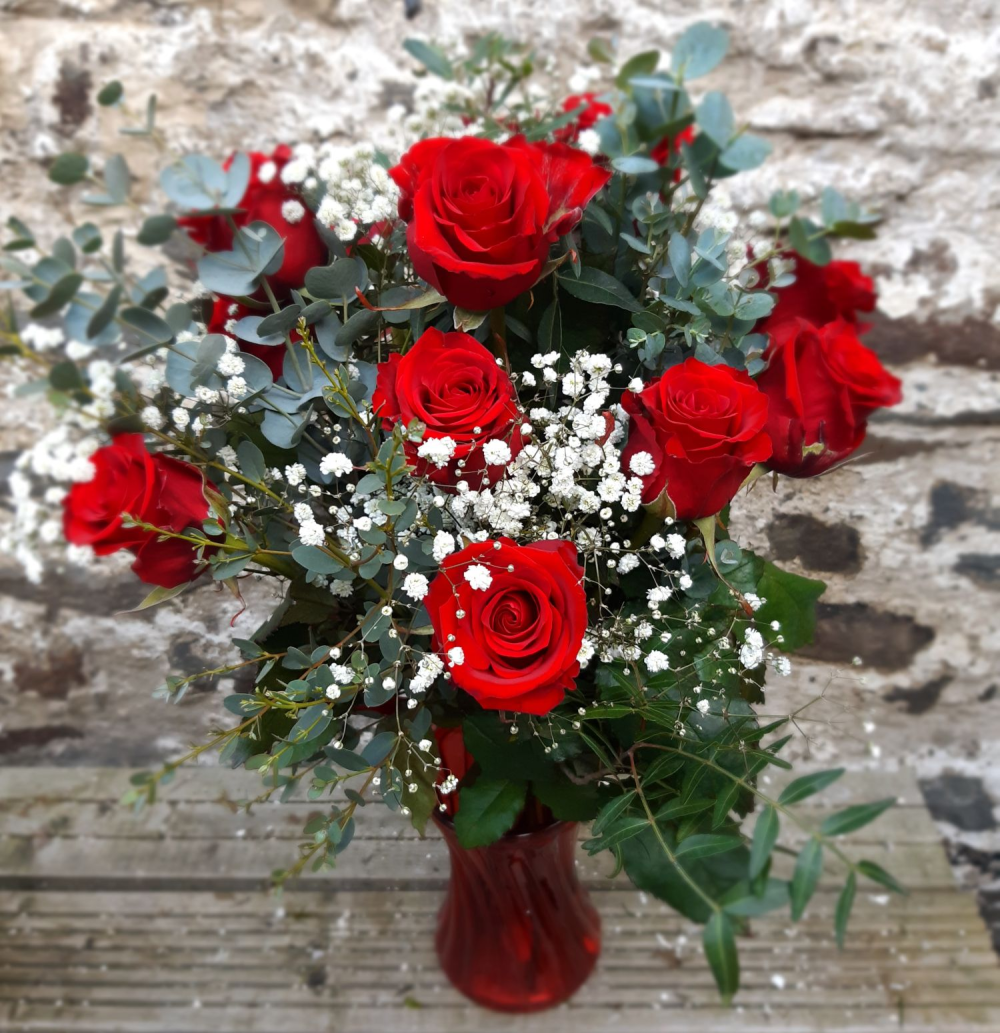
x,y
719,940
111,93
791,601
68,169
699,50
488,809
663,760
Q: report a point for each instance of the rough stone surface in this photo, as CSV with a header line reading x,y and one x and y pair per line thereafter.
x,y
893,101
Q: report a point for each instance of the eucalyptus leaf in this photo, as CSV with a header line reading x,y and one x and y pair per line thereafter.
x,y
68,169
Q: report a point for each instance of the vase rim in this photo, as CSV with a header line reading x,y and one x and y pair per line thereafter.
x,y
447,822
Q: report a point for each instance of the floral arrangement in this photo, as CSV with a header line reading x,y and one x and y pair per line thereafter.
x,y
476,401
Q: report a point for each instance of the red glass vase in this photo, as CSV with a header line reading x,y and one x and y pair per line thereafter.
x,y
517,931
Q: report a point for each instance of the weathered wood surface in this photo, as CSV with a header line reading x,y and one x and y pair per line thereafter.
x,y
159,923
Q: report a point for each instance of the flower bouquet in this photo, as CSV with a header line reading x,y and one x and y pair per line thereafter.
x,y
473,405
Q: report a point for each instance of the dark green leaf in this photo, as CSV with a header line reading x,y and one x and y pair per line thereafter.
x,y
790,600
853,230
808,869
681,808
104,316
719,940
617,832
157,229
487,810
765,835
110,93
568,801
242,704
337,281
598,288
65,376
844,904
599,49
706,845
87,238
279,322
68,169
744,904
806,239
878,874
379,748
61,293
809,784
639,64
855,817
310,725
550,329
611,811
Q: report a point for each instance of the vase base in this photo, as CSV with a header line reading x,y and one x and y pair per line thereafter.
x,y
486,996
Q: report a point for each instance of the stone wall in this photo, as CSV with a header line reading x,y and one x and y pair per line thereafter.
x,y
894,101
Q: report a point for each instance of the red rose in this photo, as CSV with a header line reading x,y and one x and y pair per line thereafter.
x,y
821,294
668,147
822,384
262,202
703,428
481,216
453,385
226,309
518,614
153,488
593,111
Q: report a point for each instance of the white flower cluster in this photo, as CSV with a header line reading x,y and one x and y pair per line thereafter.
x,y
571,459
40,480
356,189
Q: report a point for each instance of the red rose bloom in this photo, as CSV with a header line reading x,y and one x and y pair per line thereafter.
x,y
453,385
262,201
481,216
225,309
593,111
704,428
821,294
822,384
668,147
153,488
519,635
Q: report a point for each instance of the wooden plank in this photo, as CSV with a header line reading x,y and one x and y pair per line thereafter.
x,y
109,945
573,1018
66,819
26,862
424,985
619,900
204,783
